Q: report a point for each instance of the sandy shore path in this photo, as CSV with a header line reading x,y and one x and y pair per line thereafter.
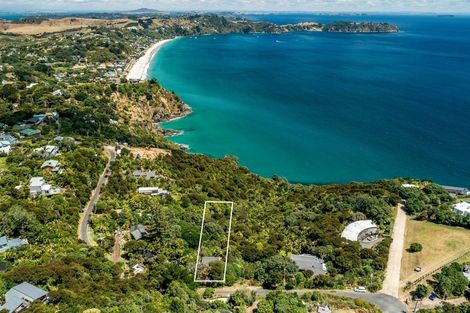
x,y
140,68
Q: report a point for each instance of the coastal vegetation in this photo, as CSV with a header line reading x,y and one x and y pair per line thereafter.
x,y
360,27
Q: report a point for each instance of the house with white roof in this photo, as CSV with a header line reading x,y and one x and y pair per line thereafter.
x,y
5,147
365,232
48,151
461,208
21,296
153,191
39,187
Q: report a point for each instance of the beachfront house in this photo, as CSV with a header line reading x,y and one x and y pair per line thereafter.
x,y
138,231
308,262
7,244
39,187
153,191
461,208
53,165
21,296
47,151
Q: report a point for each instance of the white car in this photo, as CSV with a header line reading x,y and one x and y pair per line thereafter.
x,y
360,289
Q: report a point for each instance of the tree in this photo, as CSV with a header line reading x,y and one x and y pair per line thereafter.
x,y
450,281
274,271
415,247
421,291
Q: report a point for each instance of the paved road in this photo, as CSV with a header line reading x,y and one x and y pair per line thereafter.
x,y
83,225
386,303
391,284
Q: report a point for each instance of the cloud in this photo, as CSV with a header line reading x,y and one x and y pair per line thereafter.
x,y
240,5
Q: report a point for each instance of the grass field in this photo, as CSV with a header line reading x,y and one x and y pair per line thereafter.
x,y
441,245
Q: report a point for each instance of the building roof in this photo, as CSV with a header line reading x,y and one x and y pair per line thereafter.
x,y
453,189
30,291
463,207
310,262
12,304
353,230
29,132
36,181
7,137
3,241
137,231
50,163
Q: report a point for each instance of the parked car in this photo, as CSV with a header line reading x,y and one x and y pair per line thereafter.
x,y
360,289
418,269
433,296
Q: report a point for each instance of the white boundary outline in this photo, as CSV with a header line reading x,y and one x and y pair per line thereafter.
x,y
200,242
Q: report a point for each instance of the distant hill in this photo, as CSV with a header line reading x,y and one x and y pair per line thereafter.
x,y
363,27
143,10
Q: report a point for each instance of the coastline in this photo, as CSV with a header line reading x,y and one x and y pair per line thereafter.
x,y
139,70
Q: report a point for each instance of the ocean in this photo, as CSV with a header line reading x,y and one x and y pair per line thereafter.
x,y
329,108
11,16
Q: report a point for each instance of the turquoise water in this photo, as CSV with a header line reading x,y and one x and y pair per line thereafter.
x,y
323,108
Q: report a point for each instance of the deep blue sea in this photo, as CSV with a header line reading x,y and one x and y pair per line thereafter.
x,y
329,108
11,16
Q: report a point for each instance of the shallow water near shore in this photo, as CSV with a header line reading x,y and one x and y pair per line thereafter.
x,y
329,108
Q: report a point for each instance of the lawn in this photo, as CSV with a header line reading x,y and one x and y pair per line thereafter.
x,y
441,245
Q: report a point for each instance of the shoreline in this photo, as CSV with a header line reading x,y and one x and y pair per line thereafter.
x,y
139,70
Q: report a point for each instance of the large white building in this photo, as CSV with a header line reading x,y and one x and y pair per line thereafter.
x,y
356,231
39,187
462,208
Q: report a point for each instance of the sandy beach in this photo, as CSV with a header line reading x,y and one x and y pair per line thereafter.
x,y
140,68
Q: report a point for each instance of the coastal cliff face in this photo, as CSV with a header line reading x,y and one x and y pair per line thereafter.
x,y
363,27
146,104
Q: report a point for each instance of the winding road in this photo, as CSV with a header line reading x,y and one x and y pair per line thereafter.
x,y
83,225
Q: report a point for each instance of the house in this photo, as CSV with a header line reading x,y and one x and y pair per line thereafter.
x,y
153,191
54,165
7,244
323,309
138,269
456,190
461,208
144,174
5,147
6,137
208,260
307,262
47,151
37,119
21,296
409,186
138,231
39,187
365,232
29,132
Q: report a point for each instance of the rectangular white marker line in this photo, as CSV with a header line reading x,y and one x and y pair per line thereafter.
x,y
200,242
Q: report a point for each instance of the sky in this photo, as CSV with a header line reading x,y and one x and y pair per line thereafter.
x,y
440,6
